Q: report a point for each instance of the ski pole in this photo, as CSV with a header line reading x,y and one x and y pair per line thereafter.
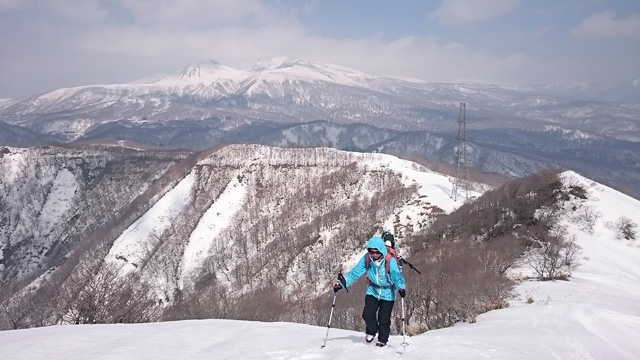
x,y
335,294
402,260
404,335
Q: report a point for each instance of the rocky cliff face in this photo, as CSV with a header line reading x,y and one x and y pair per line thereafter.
x,y
55,199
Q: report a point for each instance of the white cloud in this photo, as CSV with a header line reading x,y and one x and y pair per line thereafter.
x,y
412,56
604,25
233,46
209,13
159,49
7,5
134,41
471,12
84,11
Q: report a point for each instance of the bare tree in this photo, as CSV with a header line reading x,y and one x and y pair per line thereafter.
x,y
499,254
555,255
14,308
626,228
588,216
97,292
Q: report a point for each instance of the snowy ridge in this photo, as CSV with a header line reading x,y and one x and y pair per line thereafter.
x,y
283,69
594,315
278,69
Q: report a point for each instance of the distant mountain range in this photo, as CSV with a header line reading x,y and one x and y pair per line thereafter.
x,y
285,102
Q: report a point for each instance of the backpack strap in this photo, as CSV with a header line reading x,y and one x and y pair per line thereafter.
x,y
387,260
387,265
391,252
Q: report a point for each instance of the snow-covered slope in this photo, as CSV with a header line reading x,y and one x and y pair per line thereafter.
x,y
231,201
594,315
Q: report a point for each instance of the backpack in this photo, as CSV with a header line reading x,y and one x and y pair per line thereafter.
x,y
389,239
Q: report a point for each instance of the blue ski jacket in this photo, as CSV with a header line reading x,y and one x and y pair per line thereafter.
x,y
383,285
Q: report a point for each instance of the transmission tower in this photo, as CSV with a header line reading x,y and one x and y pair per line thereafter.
x,y
461,181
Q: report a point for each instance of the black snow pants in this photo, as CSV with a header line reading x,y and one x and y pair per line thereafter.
x,y
377,317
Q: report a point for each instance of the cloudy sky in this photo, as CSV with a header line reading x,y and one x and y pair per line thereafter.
x,y
49,44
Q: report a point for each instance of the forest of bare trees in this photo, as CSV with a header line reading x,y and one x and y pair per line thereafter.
x,y
304,213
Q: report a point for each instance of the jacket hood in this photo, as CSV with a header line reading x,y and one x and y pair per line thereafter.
x,y
377,243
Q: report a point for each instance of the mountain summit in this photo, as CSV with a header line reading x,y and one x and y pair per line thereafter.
x,y
296,69
277,70
205,73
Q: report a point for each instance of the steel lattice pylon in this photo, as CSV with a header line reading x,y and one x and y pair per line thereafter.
x,y
461,180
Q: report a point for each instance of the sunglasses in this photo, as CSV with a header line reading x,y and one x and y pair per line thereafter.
x,y
373,251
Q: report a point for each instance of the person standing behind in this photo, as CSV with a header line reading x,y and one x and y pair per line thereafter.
x,y
384,277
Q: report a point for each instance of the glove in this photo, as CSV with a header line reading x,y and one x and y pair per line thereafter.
x,y
402,293
337,287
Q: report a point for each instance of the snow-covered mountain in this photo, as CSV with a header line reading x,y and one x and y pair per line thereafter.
x,y
513,130
593,315
292,90
292,102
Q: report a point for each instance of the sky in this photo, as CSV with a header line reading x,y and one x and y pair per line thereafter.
x,y
50,44
594,315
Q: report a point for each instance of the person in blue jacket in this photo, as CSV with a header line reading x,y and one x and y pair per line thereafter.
x,y
381,291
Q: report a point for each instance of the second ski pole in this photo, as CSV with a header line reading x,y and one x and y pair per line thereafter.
x,y
333,306
404,335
